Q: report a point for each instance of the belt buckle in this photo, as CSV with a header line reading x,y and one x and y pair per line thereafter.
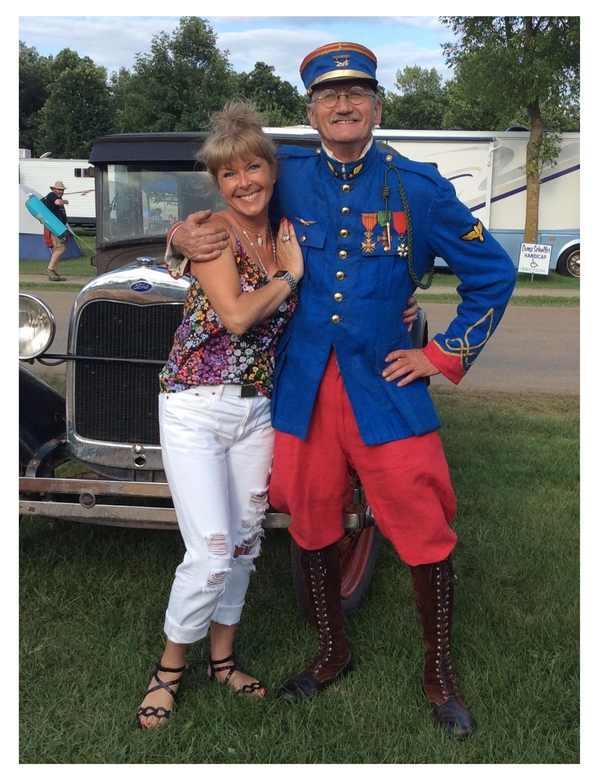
x,y
247,391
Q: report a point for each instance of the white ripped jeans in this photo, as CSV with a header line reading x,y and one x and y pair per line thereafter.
x,y
217,451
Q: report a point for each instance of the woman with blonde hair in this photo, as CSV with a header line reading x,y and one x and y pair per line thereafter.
x,y
216,435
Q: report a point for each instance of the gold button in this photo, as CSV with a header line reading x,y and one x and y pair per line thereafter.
x,y
335,318
340,275
388,158
345,211
303,238
338,297
345,188
343,254
344,233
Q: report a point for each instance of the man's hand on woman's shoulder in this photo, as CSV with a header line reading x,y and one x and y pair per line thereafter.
x,y
200,238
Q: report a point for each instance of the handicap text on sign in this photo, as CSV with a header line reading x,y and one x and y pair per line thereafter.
x,y
535,259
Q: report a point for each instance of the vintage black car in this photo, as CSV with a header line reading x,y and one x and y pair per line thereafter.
x,y
94,456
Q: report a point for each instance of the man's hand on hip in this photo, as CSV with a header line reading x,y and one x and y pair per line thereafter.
x,y
197,240
408,365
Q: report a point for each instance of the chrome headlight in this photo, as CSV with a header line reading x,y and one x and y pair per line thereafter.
x,y
37,327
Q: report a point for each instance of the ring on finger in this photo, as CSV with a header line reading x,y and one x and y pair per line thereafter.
x,y
285,238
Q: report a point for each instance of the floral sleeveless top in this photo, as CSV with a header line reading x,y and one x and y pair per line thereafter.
x,y
204,352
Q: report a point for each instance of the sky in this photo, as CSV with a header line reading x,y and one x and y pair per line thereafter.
x,y
280,41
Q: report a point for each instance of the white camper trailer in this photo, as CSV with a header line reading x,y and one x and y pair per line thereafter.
x,y
488,173
78,175
31,233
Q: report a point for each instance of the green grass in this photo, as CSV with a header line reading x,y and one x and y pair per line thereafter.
x,y
518,301
553,280
442,290
92,604
80,267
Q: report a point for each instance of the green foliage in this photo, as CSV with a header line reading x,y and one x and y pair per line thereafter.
x,y
421,103
514,65
78,108
178,85
505,65
278,101
415,79
470,107
507,71
34,78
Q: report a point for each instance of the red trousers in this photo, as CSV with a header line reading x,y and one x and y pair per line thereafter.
x,y
406,482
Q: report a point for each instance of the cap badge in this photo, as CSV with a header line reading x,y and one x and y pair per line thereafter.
x,y
341,60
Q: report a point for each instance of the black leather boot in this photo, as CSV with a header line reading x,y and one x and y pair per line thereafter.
x,y
322,579
433,588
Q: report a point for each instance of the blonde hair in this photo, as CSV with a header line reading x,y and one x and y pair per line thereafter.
x,y
236,134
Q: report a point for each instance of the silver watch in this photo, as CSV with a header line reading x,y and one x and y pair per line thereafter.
x,y
281,274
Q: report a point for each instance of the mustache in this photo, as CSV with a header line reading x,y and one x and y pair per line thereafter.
x,y
352,117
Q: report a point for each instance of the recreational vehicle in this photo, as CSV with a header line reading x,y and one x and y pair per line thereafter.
x,y
78,175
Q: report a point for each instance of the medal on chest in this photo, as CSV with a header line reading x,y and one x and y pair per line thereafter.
x,y
368,221
387,221
399,223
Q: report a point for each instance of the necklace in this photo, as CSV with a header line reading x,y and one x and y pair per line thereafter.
x,y
274,249
260,242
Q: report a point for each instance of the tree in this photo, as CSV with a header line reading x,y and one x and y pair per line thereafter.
x,y
527,65
279,102
178,85
470,106
421,103
416,79
33,92
78,108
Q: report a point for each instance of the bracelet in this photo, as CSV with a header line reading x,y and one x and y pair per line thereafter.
x,y
172,231
288,277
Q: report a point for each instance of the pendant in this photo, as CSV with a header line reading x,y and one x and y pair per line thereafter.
x,y
260,241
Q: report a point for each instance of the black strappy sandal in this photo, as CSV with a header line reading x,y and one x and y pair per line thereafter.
x,y
254,688
159,711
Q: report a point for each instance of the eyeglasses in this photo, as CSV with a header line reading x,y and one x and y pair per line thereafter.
x,y
356,95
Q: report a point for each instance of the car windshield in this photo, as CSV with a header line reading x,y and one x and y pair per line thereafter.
x,y
139,201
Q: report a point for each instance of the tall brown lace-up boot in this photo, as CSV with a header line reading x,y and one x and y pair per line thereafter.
x,y
322,580
433,588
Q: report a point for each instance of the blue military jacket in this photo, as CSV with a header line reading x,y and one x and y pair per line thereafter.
x,y
357,283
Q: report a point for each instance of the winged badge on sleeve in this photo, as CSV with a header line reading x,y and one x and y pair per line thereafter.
x,y
476,233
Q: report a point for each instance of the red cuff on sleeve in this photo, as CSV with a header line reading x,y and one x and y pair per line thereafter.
x,y
448,365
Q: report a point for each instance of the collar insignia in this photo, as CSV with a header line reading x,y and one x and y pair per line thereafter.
x,y
332,168
356,170
305,223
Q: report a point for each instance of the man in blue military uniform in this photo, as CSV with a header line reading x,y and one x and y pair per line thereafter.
x,y
349,390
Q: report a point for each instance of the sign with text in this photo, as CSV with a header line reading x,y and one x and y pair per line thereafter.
x,y
535,259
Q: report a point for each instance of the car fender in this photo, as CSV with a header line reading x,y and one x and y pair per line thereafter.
x,y
41,414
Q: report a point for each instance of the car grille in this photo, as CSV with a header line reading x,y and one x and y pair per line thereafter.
x,y
117,401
